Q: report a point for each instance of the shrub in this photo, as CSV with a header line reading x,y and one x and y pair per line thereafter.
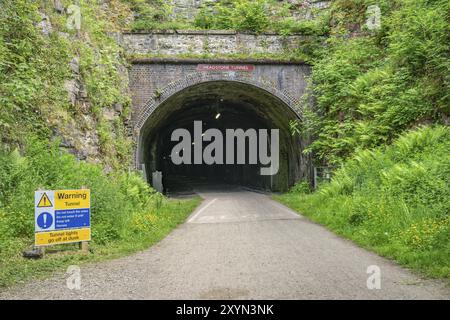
x,y
236,14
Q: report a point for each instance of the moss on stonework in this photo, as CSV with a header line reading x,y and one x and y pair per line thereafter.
x,y
257,57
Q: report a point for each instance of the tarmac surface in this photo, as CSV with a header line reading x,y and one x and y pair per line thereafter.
x,y
240,244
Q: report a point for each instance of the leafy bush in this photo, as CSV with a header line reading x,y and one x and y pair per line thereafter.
x,y
292,25
236,14
149,10
301,187
34,67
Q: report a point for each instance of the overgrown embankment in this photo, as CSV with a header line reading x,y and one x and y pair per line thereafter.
x,y
64,99
371,88
372,84
127,215
393,200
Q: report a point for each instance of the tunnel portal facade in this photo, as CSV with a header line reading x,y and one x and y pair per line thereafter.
x,y
171,94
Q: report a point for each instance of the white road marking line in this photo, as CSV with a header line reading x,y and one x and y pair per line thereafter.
x,y
201,210
286,209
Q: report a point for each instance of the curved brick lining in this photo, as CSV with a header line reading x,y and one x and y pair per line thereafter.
x,y
144,112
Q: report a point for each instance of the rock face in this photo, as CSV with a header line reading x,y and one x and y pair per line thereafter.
x,y
45,25
187,9
79,136
147,78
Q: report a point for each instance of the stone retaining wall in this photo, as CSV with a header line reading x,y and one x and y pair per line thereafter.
x,y
198,43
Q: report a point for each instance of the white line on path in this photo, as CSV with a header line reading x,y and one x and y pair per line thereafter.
x,y
286,209
201,210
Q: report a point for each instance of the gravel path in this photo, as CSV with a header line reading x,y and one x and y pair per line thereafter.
x,y
240,245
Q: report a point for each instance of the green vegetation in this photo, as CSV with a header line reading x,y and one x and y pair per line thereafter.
x,y
34,68
393,200
371,87
238,15
29,87
285,56
242,15
154,15
127,215
36,50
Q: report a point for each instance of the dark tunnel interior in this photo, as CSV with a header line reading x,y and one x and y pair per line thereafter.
x,y
220,105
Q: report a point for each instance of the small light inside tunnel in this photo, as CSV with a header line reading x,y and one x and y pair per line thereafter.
x,y
218,115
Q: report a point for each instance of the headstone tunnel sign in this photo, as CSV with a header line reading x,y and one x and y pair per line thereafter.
x,y
62,216
225,67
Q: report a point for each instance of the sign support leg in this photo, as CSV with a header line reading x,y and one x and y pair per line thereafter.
x,y
84,246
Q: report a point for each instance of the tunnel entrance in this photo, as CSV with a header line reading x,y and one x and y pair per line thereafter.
x,y
221,105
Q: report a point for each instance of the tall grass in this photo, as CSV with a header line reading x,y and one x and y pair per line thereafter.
x,y
394,200
126,214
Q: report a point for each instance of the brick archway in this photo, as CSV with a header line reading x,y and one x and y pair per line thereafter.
x,y
164,92
144,112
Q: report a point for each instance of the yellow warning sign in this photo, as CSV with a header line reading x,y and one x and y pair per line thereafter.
x,y
44,202
59,237
72,199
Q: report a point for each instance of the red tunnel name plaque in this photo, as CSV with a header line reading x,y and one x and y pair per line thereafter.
x,y
225,67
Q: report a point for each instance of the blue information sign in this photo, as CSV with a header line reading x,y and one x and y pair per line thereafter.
x,y
72,218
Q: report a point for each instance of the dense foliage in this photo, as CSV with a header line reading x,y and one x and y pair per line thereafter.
x,y
114,196
126,215
36,53
371,87
391,199
31,72
34,65
154,14
242,15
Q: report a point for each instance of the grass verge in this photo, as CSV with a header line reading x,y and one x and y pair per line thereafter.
x,y
171,213
391,200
